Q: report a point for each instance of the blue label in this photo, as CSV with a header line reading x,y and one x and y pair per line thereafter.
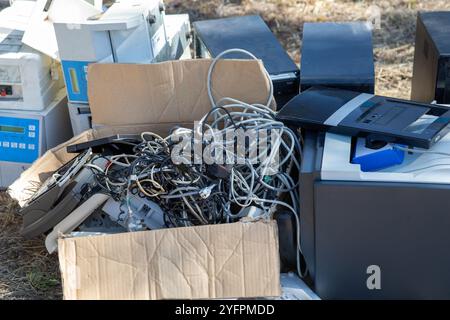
x,y
19,139
75,76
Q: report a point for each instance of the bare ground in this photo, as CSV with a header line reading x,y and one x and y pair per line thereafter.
x,y
28,272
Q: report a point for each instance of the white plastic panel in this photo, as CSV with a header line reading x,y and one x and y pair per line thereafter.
x,y
416,168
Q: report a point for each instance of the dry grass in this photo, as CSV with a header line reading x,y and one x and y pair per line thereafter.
x,y
27,271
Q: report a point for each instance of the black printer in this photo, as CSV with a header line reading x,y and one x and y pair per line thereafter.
x,y
211,37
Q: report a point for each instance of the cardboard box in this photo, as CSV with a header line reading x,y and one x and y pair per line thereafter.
x,y
215,261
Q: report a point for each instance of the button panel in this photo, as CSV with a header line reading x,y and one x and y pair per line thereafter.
x,y
19,139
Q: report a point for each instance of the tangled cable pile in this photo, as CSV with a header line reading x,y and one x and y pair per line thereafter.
x,y
237,182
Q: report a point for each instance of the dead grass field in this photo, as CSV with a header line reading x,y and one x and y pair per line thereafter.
x,y
28,272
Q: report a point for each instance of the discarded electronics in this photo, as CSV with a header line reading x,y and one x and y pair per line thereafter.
x,y
338,55
431,75
178,48
179,38
80,117
40,31
365,235
379,119
250,33
29,80
127,32
170,267
26,135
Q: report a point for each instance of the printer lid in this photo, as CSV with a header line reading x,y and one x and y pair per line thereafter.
x,y
13,21
40,33
120,16
360,114
250,33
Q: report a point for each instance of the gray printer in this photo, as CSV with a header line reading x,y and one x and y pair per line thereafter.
x,y
375,235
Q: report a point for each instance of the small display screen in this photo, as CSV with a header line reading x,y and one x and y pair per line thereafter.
x,y
12,129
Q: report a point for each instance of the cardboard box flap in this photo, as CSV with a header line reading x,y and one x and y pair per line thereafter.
x,y
169,92
213,261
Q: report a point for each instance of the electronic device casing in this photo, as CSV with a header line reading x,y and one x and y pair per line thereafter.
x,y
376,118
339,55
80,117
179,38
351,221
127,32
211,37
431,72
29,79
178,48
42,130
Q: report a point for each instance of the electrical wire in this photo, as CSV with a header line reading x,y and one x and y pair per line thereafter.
x,y
191,193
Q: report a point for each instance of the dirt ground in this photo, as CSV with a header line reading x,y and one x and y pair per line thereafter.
x,y
28,272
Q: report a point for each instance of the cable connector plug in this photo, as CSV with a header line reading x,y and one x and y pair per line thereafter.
x,y
206,192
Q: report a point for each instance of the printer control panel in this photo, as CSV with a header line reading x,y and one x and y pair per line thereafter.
x,y
19,139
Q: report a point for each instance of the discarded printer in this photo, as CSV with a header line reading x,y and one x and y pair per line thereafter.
x,y
29,80
33,105
228,253
431,74
179,39
250,33
374,208
127,32
365,235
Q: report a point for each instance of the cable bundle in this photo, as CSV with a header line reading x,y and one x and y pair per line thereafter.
x,y
236,180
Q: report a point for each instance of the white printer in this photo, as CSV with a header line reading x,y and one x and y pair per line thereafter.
x,y
381,234
29,80
129,31
179,38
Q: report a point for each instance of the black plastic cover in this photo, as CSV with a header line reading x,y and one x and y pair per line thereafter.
x,y
249,33
337,55
378,118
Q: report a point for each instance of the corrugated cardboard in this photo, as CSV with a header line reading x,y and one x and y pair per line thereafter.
x,y
169,92
216,261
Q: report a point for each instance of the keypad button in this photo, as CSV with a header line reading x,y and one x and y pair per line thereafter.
x,y
22,146
31,146
32,127
32,134
14,145
5,144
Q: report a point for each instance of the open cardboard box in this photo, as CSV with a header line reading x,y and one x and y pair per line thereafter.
x,y
214,261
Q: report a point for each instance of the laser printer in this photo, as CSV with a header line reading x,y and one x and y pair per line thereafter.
x,y
127,32
178,47
431,71
380,234
29,80
212,37
339,55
